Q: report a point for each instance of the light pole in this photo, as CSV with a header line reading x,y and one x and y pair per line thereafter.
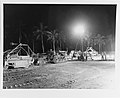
x,y
79,31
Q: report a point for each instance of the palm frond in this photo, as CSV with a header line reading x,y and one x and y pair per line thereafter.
x,y
38,37
47,32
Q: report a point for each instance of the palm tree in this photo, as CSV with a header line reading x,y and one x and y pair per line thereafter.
x,y
61,39
110,42
100,40
39,33
20,28
88,39
53,35
33,40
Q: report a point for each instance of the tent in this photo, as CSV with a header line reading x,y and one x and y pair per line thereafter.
x,y
91,51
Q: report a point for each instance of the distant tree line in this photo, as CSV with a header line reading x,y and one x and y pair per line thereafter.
x,y
57,39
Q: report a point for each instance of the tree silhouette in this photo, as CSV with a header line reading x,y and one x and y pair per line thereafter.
x,y
61,39
100,41
39,34
53,35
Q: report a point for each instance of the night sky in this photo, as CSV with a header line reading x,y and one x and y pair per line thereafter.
x,y
97,18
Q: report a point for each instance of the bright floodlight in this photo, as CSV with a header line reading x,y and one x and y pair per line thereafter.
x,y
78,30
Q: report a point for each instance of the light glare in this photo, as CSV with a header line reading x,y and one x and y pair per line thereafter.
x,y
78,30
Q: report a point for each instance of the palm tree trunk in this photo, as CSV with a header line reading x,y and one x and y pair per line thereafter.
x,y
99,47
82,45
20,35
33,45
42,44
54,45
88,43
76,45
93,43
60,45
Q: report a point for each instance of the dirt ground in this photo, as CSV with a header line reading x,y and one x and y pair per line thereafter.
x,y
66,75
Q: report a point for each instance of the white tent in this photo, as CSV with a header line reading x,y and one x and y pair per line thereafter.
x,y
91,51
92,54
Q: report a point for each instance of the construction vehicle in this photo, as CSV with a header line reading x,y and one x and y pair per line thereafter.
x,y
21,56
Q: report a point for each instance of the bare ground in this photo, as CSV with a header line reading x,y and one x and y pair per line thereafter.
x,y
67,75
